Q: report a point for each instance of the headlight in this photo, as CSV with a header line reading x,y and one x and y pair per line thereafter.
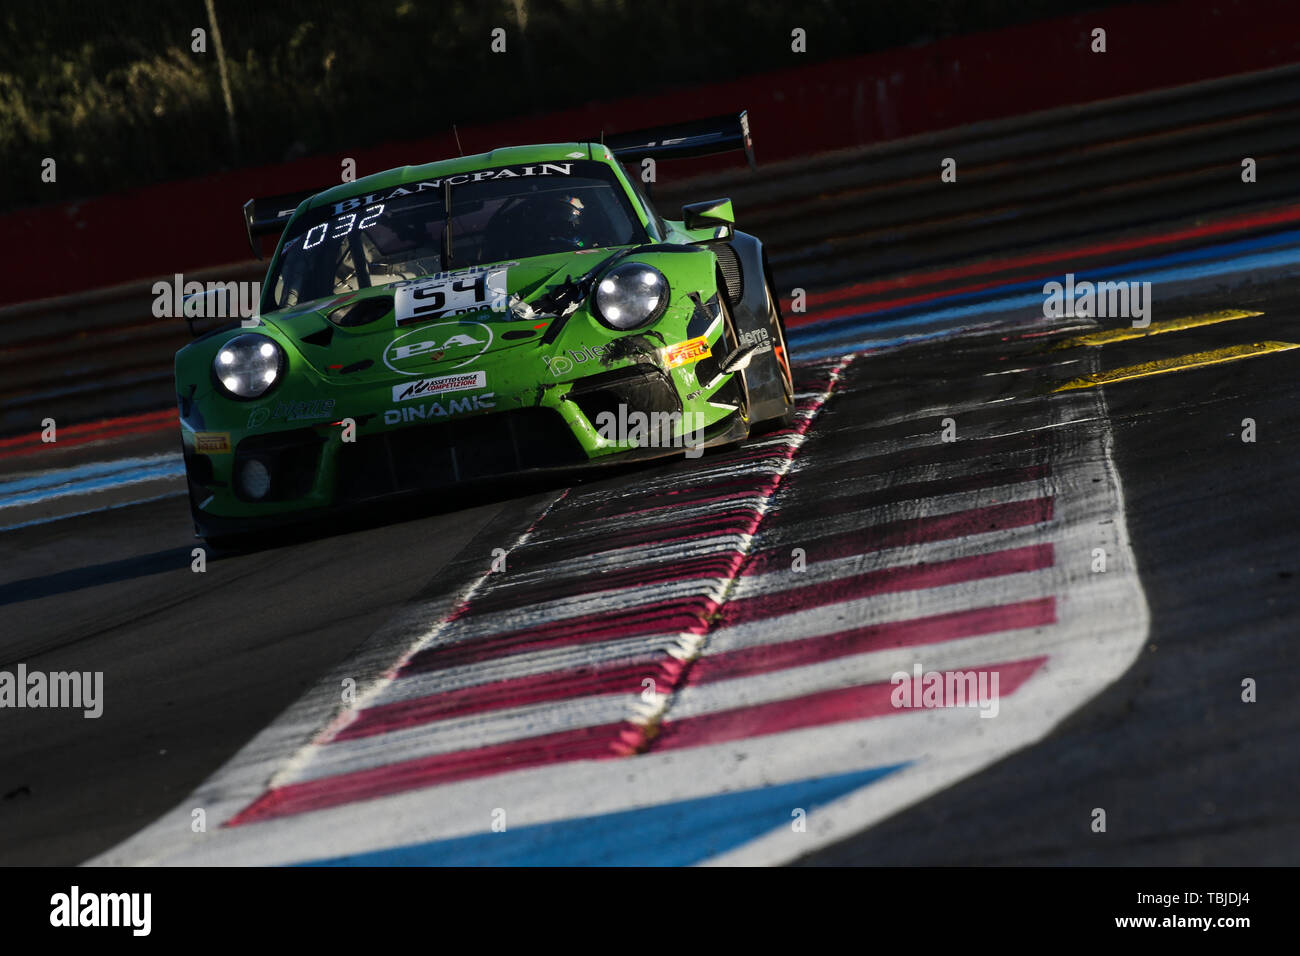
x,y
248,365
631,295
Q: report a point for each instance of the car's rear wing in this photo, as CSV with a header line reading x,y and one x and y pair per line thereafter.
x,y
704,137
266,217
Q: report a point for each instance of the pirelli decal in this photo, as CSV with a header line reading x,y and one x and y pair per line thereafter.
x,y
212,443
684,353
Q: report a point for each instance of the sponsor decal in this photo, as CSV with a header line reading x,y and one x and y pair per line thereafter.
x,y
453,274
410,189
424,387
684,353
634,347
759,338
450,293
212,443
638,429
563,364
289,411
459,343
558,364
452,406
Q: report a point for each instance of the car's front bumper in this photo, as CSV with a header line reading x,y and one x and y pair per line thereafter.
x,y
319,467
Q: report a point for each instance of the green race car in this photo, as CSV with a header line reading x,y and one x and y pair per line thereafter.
x,y
521,309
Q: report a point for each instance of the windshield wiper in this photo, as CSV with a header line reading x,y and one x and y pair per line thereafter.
x,y
445,254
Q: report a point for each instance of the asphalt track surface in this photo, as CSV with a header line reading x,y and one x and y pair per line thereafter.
x,y
1188,773
197,665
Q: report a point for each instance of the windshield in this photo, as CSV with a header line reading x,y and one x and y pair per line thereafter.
x,y
512,212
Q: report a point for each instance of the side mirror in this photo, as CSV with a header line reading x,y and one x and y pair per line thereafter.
x,y
715,215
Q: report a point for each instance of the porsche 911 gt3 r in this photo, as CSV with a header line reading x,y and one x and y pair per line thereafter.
x,y
521,309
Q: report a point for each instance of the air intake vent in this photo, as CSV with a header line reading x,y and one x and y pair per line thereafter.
x,y
361,313
641,388
729,263
321,337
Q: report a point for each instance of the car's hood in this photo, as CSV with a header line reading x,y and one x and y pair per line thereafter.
x,y
432,325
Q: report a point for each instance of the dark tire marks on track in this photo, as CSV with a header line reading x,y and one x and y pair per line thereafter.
x,y
1187,772
194,664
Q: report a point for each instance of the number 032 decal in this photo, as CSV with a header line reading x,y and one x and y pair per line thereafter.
x,y
455,293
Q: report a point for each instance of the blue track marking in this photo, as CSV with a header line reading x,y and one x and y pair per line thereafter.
x,y
671,834
84,479
820,340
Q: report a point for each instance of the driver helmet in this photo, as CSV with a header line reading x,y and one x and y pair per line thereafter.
x,y
558,217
